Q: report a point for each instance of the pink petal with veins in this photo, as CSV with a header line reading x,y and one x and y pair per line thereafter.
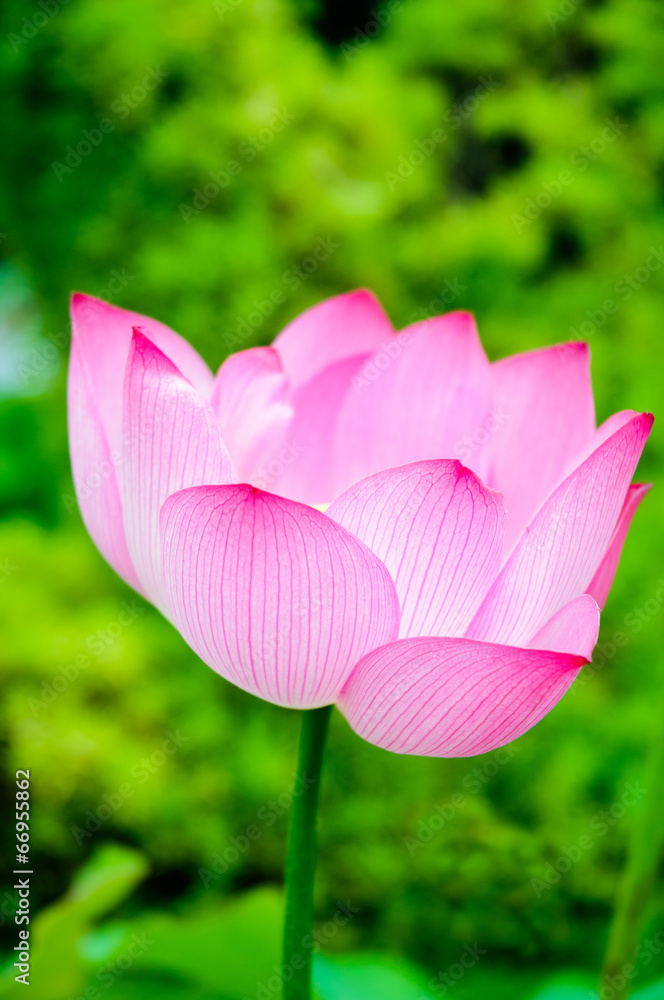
x,y
340,327
252,400
172,440
440,697
271,594
427,396
600,585
538,396
438,530
560,552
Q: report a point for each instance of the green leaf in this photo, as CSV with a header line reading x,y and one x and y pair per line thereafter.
x,y
57,967
584,988
655,991
363,977
565,991
231,947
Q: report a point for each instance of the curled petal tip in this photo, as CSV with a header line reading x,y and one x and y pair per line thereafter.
x,y
441,697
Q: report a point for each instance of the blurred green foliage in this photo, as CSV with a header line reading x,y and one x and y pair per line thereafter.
x,y
541,203
230,949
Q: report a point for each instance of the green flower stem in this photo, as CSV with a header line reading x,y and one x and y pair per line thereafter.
x,y
636,885
301,857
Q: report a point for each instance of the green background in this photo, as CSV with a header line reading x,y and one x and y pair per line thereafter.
x,y
522,93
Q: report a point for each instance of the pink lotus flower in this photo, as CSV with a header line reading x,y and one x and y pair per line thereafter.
x,y
445,608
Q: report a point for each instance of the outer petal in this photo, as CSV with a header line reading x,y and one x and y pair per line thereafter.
x,y
453,697
427,397
251,398
543,415
94,468
172,440
438,530
557,557
354,323
600,584
271,594
573,629
606,430
103,334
